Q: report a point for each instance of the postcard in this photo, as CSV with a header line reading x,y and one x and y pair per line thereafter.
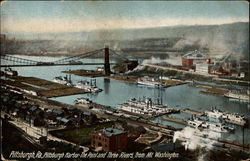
x,y
125,80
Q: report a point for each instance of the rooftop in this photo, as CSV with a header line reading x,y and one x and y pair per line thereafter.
x,y
112,131
215,67
59,112
195,55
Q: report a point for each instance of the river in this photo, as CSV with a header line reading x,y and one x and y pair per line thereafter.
x,y
116,92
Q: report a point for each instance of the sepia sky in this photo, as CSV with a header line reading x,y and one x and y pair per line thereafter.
x,y
57,16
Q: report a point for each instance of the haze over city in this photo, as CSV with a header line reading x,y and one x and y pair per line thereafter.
x,y
55,16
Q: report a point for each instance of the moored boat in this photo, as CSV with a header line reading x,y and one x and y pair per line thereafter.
x,y
145,107
10,72
240,96
149,82
88,86
83,101
215,113
63,80
226,116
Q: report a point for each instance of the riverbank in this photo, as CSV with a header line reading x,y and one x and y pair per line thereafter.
x,y
210,90
40,87
85,73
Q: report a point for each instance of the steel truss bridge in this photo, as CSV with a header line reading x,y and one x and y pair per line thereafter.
x,y
14,61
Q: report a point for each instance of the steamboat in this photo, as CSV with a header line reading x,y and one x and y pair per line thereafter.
x,y
205,125
88,86
63,80
228,117
145,107
149,82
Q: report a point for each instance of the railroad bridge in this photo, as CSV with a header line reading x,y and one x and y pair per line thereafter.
x,y
8,60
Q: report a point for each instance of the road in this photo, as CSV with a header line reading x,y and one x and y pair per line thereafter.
x,y
36,132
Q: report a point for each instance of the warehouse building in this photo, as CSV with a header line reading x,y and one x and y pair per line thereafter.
x,y
109,139
193,58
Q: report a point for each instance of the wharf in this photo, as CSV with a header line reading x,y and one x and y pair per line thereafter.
x,y
192,112
124,78
210,90
19,85
92,105
174,119
61,92
215,91
167,130
42,87
170,83
235,143
149,117
86,73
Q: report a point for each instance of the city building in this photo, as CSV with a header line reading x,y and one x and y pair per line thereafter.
x,y
216,69
201,68
194,57
109,139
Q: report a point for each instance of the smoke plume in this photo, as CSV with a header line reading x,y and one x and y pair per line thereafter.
x,y
194,138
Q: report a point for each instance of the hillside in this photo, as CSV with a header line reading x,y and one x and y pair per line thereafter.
x,y
214,39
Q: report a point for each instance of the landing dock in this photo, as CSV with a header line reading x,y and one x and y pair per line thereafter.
x,y
171,83
85,73
174,119
210,90
41,87
192,112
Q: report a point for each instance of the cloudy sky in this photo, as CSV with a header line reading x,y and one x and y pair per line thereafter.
x,y
57,16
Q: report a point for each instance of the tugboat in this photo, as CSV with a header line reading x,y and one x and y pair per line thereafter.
x,y
82,101
234,118
228,117
88,86
217,127
215,113
238,95
10,72
195,122
63,80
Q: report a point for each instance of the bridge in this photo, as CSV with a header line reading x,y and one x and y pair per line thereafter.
x,y
71,60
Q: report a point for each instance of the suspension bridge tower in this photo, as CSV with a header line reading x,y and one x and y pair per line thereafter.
x,y
106,61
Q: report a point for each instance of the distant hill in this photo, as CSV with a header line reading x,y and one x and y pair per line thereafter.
x,y
215,39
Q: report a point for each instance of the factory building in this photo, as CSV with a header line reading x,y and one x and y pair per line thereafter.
x,y
201,68
194,57
132,64
109,139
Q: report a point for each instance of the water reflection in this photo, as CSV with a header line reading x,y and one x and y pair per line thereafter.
x,y
106,85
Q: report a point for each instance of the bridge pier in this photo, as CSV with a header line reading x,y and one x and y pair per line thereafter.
x,y
106,61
